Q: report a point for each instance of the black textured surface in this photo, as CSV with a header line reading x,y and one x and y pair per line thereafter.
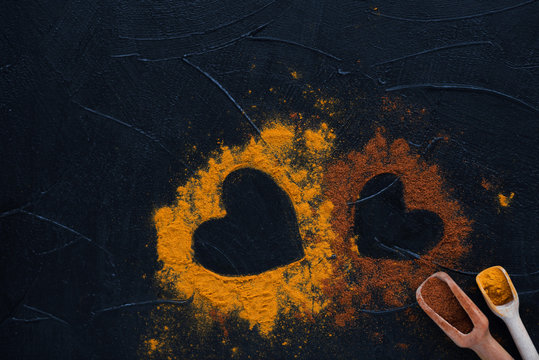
x,y
107,106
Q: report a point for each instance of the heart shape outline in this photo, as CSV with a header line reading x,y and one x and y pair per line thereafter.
x,y
384,224
243,242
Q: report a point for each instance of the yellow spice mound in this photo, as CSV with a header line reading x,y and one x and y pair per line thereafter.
x,y
293,158
495,284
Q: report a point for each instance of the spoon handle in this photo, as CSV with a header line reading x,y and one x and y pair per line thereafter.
x,y
521,337
490,349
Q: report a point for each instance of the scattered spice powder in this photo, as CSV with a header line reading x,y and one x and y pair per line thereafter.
x,y
395,105
505,200
403,346
295,75
294,159
326,104
495,284
363,282
332,276
441,299
152,345
486,185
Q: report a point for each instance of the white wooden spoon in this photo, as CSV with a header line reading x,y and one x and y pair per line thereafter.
x,y
509,314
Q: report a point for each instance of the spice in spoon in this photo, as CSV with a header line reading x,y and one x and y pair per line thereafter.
x,y
441,299
495,284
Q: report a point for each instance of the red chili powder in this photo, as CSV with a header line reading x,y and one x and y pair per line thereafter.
x,y
441,299
363,282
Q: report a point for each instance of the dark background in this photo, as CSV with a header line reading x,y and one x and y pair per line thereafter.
x,y
107,106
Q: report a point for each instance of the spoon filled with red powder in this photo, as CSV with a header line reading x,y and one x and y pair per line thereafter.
x,y
440,298
455,313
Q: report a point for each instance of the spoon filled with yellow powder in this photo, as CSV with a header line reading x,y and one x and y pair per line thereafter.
x,y
502,298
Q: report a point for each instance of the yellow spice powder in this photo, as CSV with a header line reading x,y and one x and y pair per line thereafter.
x,y
505,200
152,345
495,284
256,298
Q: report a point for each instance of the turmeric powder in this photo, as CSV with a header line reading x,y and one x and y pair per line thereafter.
x,y
505,200
293,158
495,284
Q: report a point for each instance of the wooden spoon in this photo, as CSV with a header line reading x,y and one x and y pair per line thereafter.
x,y
479,339
508,312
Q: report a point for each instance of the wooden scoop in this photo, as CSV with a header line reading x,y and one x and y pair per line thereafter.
x,y
508,312
479,339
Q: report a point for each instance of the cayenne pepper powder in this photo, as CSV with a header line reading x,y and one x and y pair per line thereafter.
x,y
441,299
362,282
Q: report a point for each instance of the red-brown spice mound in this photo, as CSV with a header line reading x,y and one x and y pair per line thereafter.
x,y
363,282
441,299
